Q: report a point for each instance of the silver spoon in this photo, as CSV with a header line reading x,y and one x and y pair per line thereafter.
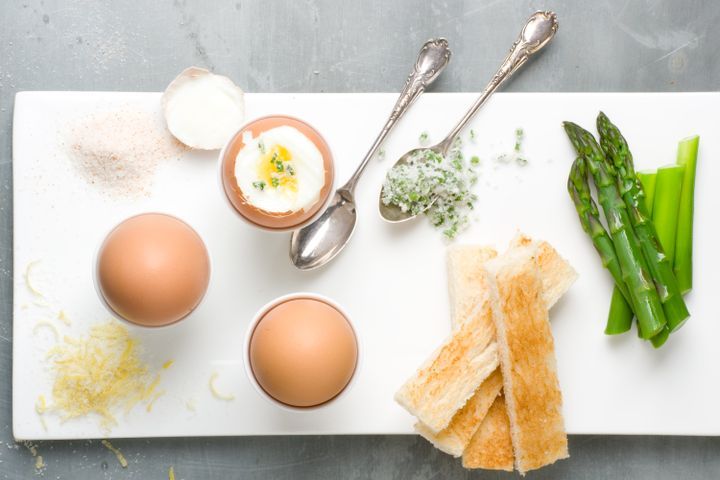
x,y
537,32
316,244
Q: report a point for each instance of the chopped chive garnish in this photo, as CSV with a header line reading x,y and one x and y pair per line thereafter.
x,y
260,185
519,134
274,182
436,185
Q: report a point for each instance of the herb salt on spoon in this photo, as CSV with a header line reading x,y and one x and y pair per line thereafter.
x,y
407,190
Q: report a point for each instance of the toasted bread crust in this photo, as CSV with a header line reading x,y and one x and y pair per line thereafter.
x,y
491,447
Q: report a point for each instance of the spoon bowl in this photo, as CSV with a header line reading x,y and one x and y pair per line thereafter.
x,y
319,242
391,212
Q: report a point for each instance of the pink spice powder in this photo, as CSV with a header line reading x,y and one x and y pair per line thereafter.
x,y
119,151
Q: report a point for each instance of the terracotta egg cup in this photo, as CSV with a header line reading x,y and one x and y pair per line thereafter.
x,y
273,221
152,270
248,353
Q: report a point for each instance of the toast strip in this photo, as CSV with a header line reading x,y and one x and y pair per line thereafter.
x,y
453,372
462,427
491,447
527,359
556,273
466,287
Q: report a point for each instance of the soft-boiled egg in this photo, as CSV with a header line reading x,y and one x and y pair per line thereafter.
x,y
277,172
280,170
153,269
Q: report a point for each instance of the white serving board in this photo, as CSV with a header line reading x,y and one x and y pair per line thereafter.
x,y
391,278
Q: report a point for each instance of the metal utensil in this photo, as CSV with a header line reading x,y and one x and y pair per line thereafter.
x,y
318,243
537,32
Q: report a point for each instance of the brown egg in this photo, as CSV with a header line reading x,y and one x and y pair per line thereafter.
x,y
153,269
303,352
278,221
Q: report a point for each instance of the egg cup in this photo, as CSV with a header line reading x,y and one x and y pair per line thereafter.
x,y
246,351
236,199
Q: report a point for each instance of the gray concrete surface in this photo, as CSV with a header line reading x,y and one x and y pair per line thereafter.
x,y
320,46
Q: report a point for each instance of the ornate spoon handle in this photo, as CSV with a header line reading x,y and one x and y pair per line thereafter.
x,y
432,59
537,32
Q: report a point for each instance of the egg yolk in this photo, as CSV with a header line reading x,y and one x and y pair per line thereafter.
x,y
276,171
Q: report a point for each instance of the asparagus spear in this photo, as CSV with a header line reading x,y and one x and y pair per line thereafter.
x,y
589,215
643,295
620,315
667,205
687,155
660,266
648,179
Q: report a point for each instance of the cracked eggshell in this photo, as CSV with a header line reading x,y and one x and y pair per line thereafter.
x,y
203,110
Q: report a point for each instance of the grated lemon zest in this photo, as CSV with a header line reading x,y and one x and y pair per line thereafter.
x,y
40,409
62,316
44,323
39,462
118,454
152,401
28,282
168,364
41,405
190,404
216,394
99,374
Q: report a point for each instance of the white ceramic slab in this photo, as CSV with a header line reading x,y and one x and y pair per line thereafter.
x,y
391,278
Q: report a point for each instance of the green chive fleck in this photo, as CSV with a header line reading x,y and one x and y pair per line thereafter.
x,y
260,185
274,182
519,134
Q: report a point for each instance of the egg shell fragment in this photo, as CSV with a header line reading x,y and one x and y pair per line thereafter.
x,y
202,109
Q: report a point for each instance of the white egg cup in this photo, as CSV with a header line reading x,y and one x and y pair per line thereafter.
x,y
246,351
